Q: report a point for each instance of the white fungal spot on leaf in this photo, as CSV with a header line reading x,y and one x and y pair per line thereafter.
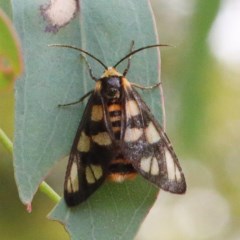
x,y
58,13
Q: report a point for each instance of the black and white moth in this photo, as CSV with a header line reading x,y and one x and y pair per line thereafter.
x,y
117,138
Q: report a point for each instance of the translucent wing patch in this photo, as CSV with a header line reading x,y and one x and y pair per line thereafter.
x,y
147,146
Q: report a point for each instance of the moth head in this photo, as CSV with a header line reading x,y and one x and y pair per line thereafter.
x,y
111,87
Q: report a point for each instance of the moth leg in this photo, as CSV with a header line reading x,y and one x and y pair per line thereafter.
x,y
80,100
148,87
129,60
89,67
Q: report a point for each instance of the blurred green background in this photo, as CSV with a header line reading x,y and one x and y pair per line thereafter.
x,y
201,81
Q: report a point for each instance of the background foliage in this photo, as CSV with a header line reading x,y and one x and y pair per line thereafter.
x,y
202,98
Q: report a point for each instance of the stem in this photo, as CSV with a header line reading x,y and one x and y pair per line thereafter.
x,y
47,190
6,141
44,187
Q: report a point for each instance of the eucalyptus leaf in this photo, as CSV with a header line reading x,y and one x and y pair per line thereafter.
x,y
44,132
6,6
115,211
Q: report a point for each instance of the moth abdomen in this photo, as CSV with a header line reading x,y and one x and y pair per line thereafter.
x,y
121,169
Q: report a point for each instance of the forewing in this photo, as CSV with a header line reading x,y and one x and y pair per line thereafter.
x,y
147,146
90,155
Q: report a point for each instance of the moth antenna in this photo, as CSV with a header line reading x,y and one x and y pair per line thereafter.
x,y
80,50
138,50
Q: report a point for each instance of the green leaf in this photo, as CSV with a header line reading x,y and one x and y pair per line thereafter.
x,y
44,132
10,56
115,211
6,6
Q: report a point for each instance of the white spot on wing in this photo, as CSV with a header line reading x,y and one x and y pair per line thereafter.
x,y
145,164
132,108
133,134
97,171
150,165
93,173
83,143
154,167
72,182
152,134
89,175
74,171
69,186
178,175
97,113
171,166
102,139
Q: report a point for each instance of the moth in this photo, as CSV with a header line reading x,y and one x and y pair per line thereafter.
x,y
118,137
